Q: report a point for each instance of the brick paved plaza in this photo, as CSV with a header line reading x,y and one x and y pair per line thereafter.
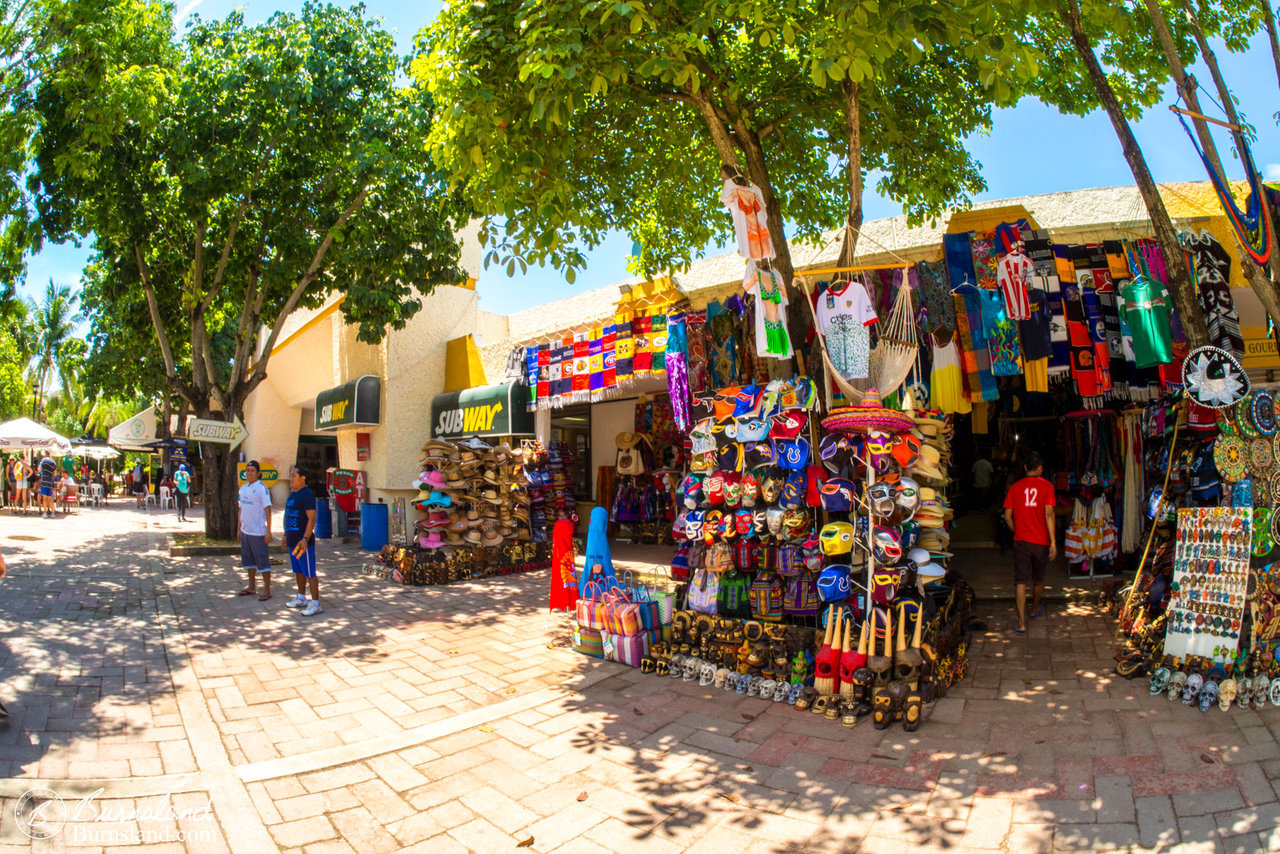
x,y
149,697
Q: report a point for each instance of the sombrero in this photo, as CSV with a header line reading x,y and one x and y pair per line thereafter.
x,y
867,416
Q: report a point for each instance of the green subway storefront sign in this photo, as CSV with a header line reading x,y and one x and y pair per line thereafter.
x,y
358,402
493,410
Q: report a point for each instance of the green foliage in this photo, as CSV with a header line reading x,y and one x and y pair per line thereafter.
x,y
15,390
267,167
568,118
55,352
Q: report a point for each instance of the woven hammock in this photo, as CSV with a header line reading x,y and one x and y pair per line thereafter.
x,y
1252,226
895,352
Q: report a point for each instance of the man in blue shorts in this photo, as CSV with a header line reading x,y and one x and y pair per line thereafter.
x,y
300,539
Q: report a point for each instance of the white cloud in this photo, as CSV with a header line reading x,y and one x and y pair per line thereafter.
x,y
186,10
1271,172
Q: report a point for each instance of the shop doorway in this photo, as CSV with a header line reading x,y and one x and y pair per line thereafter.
x,y
318,453
571,428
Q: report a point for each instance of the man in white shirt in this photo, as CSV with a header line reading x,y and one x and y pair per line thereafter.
x,y
254,531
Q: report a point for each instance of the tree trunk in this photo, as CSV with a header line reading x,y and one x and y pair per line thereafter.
x,y
1262,280
1269,17
853,129
166,409
219,491
1180,287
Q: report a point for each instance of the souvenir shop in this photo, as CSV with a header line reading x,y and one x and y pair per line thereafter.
x,y
488,492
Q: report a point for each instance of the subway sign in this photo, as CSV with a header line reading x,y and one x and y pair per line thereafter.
x,y
356,402
495,410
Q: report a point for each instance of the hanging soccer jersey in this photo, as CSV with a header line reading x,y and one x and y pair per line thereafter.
x,y
844,317
1012,274
1146,311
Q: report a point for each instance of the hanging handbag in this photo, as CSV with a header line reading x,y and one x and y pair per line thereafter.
x,y
766,595
720,558
732,599
801,598
1073,542
704,591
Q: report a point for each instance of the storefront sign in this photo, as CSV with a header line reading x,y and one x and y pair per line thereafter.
x,y
362,447
268,474
356,402
495,410
347,488
1259,350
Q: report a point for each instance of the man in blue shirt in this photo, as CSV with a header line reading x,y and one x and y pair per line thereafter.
x,y
182,491
299,538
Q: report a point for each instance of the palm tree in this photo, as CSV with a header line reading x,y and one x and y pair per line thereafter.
x,y
53,325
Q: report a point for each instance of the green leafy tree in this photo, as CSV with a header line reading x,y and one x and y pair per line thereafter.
x,y
47,43
273,165
570,118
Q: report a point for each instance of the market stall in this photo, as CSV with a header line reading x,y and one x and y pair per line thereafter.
x,y
481,510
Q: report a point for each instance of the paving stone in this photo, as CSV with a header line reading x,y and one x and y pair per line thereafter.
x,y
1206,802
1250,820
1156,823
303,831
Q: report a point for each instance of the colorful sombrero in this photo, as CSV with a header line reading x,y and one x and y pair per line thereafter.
x,y
868,416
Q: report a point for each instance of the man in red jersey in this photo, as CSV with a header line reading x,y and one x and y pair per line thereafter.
x,y
1028,511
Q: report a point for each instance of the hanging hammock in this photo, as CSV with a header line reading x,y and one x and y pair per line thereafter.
x,y
895,352
1252,226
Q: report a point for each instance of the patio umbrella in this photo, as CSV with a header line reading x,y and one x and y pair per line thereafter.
x,y
23,434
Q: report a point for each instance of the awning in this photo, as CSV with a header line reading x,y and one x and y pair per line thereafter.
x,y
134,434
493,410
23,434
356,402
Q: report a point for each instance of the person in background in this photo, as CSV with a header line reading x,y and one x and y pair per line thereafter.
x,y
300,540
11,472
254,531
1028,511
182,491
48,474
982,472
138,485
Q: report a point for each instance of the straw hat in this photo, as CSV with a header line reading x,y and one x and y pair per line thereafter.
x,y
453,538
929,464
491,538
491,496
626,439
473,536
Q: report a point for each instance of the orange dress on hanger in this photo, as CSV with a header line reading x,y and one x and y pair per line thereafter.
x,y
564,581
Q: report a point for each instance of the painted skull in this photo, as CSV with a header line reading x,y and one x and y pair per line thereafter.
x,y
742,683
765,688
1275,692
836,538
880,498
1191,689
691,668
1176,683
1208,696
1244,692
1261,690
720,677
730,681
707,674
1159,681
793,692
677,666
1226,694
780,690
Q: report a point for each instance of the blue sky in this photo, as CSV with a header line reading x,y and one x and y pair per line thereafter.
x,y
1031,149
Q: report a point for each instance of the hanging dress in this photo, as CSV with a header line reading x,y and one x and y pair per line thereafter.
x,y
946,387
772,340
750,219
564,582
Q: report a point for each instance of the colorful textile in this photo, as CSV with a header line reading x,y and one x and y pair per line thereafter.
x,y
1002,335
624,353
581,368
1013,272
677,371
946,390
939,309
977,359
1211,272
608,349
1096,329
722,362
697,359
1036,330
642,363
959,257
658,344
597,561
595,353
984,262
564,584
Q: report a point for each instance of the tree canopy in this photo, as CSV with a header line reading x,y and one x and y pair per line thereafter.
x,y
267,167
569,118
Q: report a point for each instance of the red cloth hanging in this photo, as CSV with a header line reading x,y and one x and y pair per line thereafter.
x,y
564,582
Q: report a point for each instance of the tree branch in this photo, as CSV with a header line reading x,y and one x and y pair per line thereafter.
x,y
153,306
260,366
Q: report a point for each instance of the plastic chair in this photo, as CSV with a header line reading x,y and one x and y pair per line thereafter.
x,y
70,497
151,499
166,498
98,493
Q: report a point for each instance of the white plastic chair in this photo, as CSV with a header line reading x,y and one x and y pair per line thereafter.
x,y
97,493
151,499
166,498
